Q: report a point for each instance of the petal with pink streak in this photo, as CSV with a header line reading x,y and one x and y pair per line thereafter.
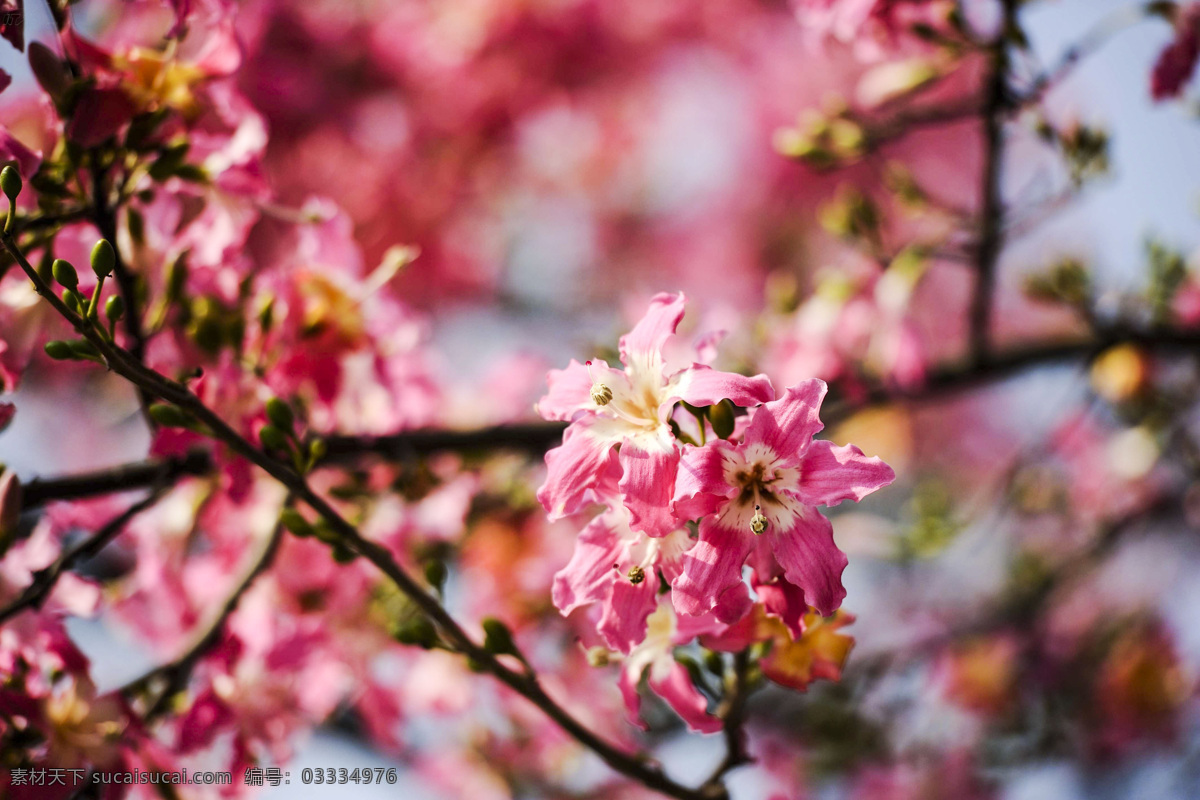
x,y
700,484
569,392
811,560
641,348
705,386
711,567
677,689
830,474
574,467
628,684
588,576
786,602
647,483
788,424
570,389
623,623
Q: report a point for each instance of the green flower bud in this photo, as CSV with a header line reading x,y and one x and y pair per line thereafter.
x,y
59,350
343,554
418,631
104,258
71,301
317,450
273,438
65,274
714,663
168,416
435,573
295,522
280,414
10,182
497,639
82,348
177,275
114,308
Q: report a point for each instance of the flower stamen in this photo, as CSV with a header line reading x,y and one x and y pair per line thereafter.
x,y
758,523
601,394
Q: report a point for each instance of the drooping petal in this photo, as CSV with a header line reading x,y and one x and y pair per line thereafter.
x,y
647,483
733,604
830,474
788,424
700,483
570,392
785,602
705,386
588,576
711,567
677,689
628,684
575,466
641,348
623,623
810,559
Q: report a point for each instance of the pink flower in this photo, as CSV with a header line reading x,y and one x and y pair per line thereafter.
x,y
631,409
758,497
669,679
1177,61
618,568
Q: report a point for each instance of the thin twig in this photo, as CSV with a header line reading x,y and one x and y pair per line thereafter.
x,y
45,580
177,672
125,477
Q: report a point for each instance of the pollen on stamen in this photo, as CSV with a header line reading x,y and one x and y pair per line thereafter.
x,y
636,575
758,523
601,394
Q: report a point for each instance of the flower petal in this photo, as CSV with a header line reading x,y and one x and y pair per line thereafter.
x,y
704,386
810,559
647,481
628,684
677,689
641,348
700,484
623,623
711,567
570,392
785,602
588,576
788,424
575,466
830,474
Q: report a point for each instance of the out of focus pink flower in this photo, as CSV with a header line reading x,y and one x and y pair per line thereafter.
x,y
1177,61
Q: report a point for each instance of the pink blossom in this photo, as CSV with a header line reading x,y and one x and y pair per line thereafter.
x,y
630,409
758,497
1177,61
654,658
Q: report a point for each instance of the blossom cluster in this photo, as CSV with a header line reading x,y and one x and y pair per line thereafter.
x,y
687,508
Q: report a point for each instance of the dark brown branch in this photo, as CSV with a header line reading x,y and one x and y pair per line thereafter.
x,y
533,438
991,225
734,716
45,580
126,477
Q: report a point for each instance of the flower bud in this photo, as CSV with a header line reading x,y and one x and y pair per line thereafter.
x,y
65,274
317,450
10,182
71,301
280,414
114,308
273,438
49,70
435,573
418,631
104,258
59,350
295,522
82,348
497,639
168,416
